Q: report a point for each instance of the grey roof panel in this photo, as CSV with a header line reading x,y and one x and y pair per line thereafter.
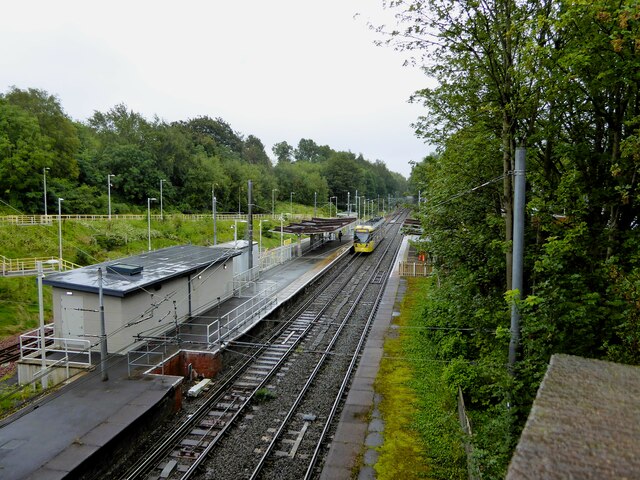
x,y
157,266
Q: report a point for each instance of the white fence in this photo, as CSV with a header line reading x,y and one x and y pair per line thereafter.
x,y
49,219
58,352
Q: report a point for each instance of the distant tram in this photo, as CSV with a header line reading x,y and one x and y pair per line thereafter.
x,y
368,235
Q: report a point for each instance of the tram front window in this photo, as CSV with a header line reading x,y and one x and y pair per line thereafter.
x,y
361,237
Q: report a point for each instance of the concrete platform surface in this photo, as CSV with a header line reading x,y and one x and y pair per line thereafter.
x,y
59,432
53,436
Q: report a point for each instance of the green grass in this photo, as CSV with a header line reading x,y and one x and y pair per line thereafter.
x,y
422,438
89,242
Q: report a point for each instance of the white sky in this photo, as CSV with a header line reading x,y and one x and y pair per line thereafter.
x,y
279,70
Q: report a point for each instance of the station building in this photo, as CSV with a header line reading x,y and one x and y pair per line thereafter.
x,y
143,295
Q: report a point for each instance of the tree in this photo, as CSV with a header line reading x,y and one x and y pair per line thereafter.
x,y
310,151
54,124
283,152
476,52
219,133
24,152
253,151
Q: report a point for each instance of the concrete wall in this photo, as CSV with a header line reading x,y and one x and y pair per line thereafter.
x,y
209,284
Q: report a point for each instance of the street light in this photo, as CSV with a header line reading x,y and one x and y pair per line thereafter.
x,y
109,192
161,212
291,201
214,204
331,204
357,205
348,204
235,231
259,241
44,175
149,200
273,201
60,200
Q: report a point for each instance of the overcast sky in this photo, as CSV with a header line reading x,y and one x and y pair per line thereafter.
x,y
279,70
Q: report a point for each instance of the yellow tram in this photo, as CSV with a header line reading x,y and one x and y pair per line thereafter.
x,y
367,235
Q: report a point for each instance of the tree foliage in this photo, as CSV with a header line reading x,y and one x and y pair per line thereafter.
x,y
561,79
193,160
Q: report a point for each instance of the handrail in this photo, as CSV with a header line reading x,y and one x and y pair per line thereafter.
x,y
31,347
49,219
29,266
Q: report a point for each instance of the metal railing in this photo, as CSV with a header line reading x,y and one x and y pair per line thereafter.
x,y
414,269
152,356
77,352
29,266
49,219
240,317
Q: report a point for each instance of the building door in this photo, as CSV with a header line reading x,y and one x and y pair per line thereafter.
x,y
72,316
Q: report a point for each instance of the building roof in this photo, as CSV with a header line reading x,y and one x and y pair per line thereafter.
x,y
584,423
119,277
316,226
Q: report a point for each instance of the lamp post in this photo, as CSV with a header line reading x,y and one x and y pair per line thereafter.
x,y
149,200
43,355
60,200
357,209
259,241
291,201
315,204
161,212
214,204
348,204
109,193
44,175
281,238
273,201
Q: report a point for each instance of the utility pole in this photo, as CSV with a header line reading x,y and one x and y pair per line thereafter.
x,y
357,205
250,221
43,352
214,204
103,331
44,175
519,182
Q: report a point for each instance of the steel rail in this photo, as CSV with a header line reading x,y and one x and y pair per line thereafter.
x,y
158,452
312,323
310,380
347,378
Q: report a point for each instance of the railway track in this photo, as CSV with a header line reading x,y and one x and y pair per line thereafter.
x,y
295,448
10,353
261,406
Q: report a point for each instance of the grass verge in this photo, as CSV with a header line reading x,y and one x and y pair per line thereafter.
x,y
422,438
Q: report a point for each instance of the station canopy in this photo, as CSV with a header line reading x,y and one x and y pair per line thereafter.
x,y
316,226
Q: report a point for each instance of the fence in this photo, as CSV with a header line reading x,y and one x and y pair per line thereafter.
x,y
29,266
58,352
49,219
415,269
465,424
153,355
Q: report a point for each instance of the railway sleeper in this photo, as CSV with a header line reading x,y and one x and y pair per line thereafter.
x,y
199,432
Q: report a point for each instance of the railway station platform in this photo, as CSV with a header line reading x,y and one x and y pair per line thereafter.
x,y
360,428
81,422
